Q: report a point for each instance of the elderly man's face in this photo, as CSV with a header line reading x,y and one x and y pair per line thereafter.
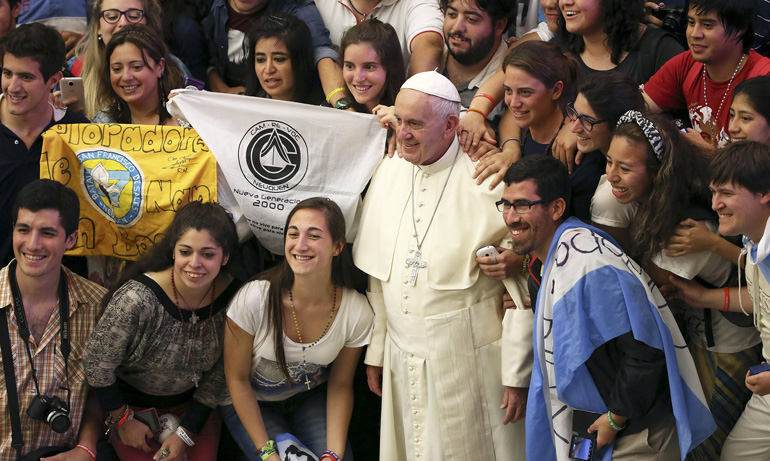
x,y
423,137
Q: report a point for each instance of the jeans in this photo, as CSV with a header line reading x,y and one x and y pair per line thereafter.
x,y
302,415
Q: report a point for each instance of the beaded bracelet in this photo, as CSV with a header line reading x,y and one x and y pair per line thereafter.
x,y
612,423
183,435
330,455
111,421
87,450
727,299
267,451
478,111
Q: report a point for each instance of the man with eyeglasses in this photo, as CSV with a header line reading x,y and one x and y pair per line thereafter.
x,y
605,340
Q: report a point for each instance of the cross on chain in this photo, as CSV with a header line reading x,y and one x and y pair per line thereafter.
x,y
416,264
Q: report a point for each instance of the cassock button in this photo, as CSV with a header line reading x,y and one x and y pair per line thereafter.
x,y
406,296
420,204
411,356
418,220
414,397
412,383
424,189
16,142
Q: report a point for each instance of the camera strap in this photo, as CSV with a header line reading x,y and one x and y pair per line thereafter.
x,y
17,439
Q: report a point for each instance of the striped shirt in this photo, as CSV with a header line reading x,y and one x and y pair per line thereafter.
x,y
84,299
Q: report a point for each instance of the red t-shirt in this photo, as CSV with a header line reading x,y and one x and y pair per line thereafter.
x,y
679,84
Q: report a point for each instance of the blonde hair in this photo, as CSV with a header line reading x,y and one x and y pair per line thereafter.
x,y
91,52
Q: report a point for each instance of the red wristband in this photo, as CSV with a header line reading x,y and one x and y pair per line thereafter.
x,y
87,450
484,95
727,299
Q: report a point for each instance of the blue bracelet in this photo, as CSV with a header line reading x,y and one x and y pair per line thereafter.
x,y
329,453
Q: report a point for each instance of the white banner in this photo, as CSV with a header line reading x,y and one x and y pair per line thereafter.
x,y
275,154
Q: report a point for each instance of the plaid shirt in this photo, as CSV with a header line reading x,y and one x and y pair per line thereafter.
x,y
84,299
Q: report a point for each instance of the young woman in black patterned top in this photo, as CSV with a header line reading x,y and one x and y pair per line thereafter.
x,y
159,342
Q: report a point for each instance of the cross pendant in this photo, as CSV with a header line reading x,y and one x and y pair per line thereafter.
x,y
416,264
193,318
195,379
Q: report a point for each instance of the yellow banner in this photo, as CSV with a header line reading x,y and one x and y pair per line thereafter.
x,y
131,180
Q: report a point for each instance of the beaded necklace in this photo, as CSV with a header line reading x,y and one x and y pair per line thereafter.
x,y
299,335
192,343
715,119
549,149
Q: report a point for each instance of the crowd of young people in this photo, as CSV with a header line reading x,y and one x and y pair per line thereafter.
x,y
662,146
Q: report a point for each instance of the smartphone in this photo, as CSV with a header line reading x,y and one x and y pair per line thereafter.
x,y
149,417
191,82
757,369
72,88
582,445
487,251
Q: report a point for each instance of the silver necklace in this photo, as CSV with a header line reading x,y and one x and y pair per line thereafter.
x,y
715,119
417,263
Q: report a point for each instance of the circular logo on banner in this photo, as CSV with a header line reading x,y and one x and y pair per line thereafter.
x,y
273,156
113,183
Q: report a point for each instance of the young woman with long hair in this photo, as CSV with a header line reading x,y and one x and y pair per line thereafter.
x,y
159,343
650,163
293,338
137,79
372,64
280,61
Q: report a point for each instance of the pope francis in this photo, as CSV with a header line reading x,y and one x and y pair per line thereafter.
x,y
447,355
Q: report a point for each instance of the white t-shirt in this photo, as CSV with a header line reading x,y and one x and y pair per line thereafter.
x,y
607,211
352,327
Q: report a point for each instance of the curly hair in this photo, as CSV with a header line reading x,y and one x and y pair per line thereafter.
x,y
679,183
200,216
620,21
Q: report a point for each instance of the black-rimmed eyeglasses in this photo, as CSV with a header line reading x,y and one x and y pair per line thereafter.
x,y
520,206
585,121
133,15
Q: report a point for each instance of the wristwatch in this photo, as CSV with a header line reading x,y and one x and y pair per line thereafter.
x,y
343,103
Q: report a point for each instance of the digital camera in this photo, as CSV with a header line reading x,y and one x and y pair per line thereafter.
x,y
52,411
674,18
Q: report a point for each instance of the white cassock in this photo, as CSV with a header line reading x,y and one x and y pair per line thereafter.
x,y
439,342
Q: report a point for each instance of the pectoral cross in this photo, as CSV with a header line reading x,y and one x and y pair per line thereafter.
x,y
194,318
416,264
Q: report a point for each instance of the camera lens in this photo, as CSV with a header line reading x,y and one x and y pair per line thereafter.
x,y
59,421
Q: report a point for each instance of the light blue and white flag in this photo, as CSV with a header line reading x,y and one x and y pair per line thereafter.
x,y
592,292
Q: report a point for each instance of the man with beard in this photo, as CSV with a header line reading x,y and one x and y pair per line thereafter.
x,y
473,31
605,340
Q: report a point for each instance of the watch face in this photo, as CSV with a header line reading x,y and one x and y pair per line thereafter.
x,y
342,103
